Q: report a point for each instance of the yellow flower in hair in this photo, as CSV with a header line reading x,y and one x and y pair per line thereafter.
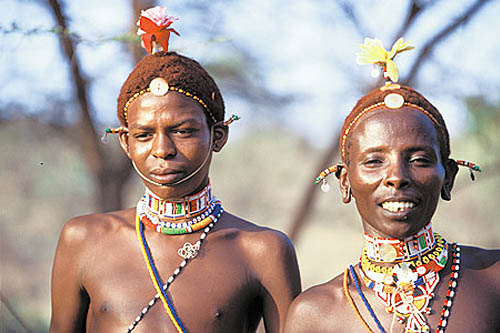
x,y
373,52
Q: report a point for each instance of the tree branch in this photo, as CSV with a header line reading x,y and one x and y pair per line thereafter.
x,y
306,203
88,135
440,36
13,312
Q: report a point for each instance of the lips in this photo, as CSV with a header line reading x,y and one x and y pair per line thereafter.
x,y
397,206
166,175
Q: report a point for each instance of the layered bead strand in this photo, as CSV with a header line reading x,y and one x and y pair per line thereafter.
x,y
214,217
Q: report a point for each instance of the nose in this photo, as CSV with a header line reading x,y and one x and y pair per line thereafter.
x,y
397,175
163,146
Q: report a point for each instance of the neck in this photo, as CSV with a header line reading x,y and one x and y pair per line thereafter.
x,y
386,250
173,209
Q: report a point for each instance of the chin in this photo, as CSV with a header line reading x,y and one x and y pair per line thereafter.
x,y
178,191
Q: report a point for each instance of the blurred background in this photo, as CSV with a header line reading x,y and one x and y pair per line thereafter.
x,y
286,67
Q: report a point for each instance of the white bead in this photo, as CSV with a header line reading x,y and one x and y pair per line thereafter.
x,y
446,313
177,271
170,279
444,323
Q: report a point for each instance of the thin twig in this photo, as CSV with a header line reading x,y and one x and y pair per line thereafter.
x,y
13,312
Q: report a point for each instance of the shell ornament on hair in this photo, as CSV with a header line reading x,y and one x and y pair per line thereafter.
x,y
154,29
373,52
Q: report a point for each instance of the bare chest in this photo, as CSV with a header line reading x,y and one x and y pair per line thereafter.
x,y
214,292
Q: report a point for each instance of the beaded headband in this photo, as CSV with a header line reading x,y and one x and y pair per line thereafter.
x,y
160,87
154,31
373,52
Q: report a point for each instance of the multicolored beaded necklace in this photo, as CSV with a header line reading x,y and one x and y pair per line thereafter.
x,y
211,213
448,302
394,250
406,289
161,215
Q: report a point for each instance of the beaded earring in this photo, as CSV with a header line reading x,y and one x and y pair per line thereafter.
x,y
472,167
335,169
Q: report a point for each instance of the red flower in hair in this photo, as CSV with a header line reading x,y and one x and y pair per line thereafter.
x,y
154,29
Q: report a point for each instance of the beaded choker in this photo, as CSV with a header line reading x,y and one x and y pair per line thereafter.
x,y
394,250
161,215
176,209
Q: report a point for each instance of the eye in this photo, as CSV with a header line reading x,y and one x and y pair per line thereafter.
x,y
184,131
421,161
141,136
372,161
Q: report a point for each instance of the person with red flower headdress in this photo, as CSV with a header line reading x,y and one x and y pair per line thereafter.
x,y
177,262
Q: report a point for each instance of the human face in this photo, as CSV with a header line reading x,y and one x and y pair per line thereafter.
x,y
395,171
168,138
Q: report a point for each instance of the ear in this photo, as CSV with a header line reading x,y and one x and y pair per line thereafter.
x,y
123,136
451,169
344,184
221,134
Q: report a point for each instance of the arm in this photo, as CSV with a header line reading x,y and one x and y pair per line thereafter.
x,y
70,301
299,316
312,311
276,264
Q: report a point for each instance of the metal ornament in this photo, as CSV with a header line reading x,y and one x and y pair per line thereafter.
x,y
189,251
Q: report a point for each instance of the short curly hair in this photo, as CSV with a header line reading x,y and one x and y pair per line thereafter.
x,y
410,96
179,71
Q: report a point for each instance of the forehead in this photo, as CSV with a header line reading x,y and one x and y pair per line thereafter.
x,y
388,128
172,107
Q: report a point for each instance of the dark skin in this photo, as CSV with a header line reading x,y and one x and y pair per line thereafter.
x,y
394,156
242,273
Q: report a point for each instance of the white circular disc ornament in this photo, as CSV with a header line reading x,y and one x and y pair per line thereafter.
x,y
158,86
387,252
394,101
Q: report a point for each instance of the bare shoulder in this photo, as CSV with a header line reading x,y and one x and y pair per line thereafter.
x,y
317,309
484,263
255,240
82,229
81,236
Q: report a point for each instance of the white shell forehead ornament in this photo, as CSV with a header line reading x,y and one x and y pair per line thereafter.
x,y
394,101
158,86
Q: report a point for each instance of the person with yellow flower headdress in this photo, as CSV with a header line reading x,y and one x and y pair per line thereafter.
x,y
396,164
177,262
